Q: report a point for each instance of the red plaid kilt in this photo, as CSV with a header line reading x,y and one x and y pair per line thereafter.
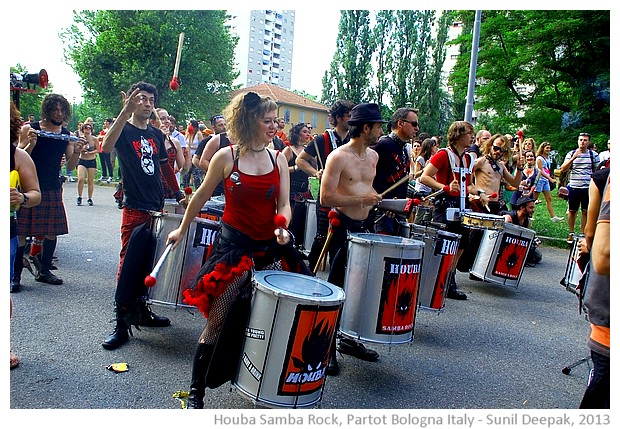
x,y
48,218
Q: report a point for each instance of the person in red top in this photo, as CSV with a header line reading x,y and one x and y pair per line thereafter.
x,y
280,133
450,170
256,183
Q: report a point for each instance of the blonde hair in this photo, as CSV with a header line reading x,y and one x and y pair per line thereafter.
x,y
541,148
242,114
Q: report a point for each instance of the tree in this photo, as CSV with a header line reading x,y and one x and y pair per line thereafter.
x,y
351,68
545,71
111,49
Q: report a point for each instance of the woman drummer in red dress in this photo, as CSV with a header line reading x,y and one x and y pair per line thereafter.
x,y
257,185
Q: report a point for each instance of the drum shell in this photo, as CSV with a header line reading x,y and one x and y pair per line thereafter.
x,y
482,220
573,273
440,249
182,265
381,270
502,254
310,230
280,321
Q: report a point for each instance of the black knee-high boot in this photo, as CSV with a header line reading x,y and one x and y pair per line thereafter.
x,y
202,359
122,329
49,246
18,267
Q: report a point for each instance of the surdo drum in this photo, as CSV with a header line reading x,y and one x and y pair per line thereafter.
x,y
291,327
440,252
310,229
181,267
574,270
502,254
381,282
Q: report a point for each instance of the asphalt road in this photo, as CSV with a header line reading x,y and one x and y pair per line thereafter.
x,y
503,348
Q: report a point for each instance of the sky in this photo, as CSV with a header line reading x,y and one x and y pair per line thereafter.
x,y
312,50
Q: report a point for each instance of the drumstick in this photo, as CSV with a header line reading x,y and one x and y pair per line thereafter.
x,y
174,83
151,279
280,222
395,185
318,155
434,194
333,222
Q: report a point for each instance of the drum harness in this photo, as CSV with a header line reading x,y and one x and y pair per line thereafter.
x,y
463,171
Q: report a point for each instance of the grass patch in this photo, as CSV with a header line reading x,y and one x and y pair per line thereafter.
x,y
544,227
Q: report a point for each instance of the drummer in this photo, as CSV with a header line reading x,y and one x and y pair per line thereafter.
x,y
256,189
447,170
143,159
346,185
394,164
490,169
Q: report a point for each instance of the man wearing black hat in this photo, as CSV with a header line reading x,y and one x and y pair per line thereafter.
x,y
394,163
347,186
312,161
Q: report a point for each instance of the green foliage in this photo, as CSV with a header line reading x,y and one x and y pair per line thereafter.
x,y
112,49
350,69
546,72
395,63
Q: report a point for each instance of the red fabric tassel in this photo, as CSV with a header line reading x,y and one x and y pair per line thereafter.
x,y
214,284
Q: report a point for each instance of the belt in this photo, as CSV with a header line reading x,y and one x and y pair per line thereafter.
x,y
243,240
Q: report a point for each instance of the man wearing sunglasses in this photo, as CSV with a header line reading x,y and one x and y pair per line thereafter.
x,y
394,164
489,170
582,163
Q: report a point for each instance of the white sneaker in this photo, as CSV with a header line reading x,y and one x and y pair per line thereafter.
x,y
557,219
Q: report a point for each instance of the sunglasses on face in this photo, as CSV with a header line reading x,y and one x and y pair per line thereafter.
x,y
502,149
413,123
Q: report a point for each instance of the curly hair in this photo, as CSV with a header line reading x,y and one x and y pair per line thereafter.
x,y
338,110
15,124
295,132
49,105
242,114
487,148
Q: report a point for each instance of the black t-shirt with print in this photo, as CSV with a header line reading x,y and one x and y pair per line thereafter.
x,y
140,153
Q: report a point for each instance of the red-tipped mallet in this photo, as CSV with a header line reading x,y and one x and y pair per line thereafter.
x,y
280,221
174,83
334,222
151,279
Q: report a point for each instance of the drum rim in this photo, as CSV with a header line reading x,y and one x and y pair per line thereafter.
x,y
357,237
336,297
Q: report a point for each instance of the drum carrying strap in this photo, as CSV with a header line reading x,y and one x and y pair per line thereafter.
x,y
462,171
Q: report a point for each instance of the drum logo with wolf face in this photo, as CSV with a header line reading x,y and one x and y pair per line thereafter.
x,y
399,296
307,354
511,257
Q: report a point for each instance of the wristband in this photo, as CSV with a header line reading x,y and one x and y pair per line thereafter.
x,y
178,196
481,191
26,199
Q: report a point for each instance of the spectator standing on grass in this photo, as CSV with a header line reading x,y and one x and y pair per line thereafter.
x,y
581,163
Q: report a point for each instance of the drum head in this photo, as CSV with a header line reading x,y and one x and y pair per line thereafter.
x,y
301,287
382,240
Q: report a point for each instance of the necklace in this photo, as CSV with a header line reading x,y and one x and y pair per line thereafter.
x,y
356,155
259,150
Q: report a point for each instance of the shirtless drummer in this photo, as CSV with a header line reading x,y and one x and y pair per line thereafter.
x,y
490,169
346,185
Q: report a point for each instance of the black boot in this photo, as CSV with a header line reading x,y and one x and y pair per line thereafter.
x,y
148,318
202,359
121,332
453,292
